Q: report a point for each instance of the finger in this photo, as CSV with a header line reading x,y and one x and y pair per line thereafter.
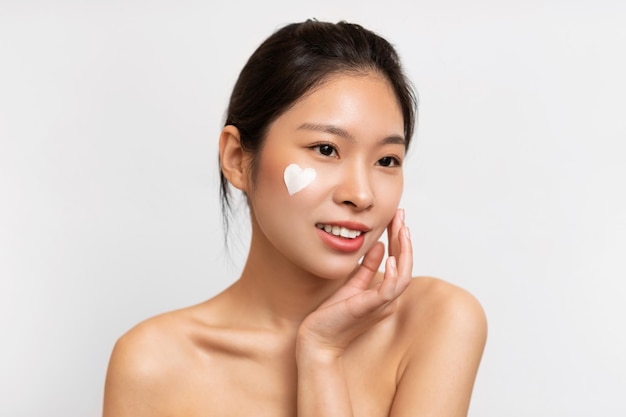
x,y
396,279
368,268
368,302
393,230
372,300
387,289
405,259
398,270
362,277
374,257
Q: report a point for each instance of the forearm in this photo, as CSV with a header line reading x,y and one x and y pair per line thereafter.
x,y
322,386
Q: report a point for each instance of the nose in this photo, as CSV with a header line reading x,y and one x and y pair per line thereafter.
x,y
354,188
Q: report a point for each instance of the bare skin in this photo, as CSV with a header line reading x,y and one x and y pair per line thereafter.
x,y
306,331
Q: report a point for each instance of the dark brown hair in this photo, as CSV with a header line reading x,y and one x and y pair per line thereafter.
x,y
296,59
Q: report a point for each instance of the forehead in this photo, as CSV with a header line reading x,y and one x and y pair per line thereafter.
x,y
362,104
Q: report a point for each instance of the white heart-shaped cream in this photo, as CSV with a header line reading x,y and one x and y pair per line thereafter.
x,y
297,178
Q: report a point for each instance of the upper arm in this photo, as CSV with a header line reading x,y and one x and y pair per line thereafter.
x,y
443,360
136,376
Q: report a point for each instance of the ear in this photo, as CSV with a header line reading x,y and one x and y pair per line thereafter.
x,y
233,159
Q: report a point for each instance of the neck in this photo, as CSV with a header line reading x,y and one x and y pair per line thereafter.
x,y
274,291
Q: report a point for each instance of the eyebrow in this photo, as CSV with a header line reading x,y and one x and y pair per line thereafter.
x,y
337,131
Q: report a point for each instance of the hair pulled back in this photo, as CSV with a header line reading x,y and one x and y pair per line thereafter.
x,y
296,59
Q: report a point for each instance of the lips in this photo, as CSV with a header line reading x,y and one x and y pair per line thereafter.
x,y
343,237
339,230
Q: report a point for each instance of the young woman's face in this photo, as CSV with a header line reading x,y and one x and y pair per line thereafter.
x,y
350,132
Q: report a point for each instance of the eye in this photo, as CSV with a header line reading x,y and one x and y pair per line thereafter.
x,y
325,149
389,161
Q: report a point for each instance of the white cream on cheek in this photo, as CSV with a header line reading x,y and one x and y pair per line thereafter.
x,y
296,178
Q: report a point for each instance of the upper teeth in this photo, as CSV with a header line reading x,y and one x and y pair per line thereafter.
x,y
339,231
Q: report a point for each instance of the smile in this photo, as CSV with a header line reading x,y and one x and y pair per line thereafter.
x,y
339,231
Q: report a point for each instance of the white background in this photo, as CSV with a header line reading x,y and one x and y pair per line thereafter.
x,y
109,117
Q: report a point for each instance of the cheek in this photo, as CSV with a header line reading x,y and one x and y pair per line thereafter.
x,y
303,180
297,178
389,194
266,186
286,184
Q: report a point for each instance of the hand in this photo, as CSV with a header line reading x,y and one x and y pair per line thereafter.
x,y
361,303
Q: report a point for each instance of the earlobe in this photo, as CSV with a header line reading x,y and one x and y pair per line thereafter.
x,y
233,161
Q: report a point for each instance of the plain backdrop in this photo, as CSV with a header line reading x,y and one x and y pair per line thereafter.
x,y
109,117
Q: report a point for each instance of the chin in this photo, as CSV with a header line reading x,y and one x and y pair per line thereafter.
x,y
335,269
341,266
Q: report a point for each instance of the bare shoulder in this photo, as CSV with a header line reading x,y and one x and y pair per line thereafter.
x,y
144,364
146,347
446,330
437,305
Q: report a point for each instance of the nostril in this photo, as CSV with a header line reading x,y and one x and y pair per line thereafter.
x,y
359,205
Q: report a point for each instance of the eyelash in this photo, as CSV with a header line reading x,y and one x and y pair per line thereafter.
x,y
395,162
392,160
319,146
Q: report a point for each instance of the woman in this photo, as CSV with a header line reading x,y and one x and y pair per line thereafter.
x,y
316,132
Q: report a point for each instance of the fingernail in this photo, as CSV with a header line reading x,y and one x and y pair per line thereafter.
x,y
392,261
407,233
